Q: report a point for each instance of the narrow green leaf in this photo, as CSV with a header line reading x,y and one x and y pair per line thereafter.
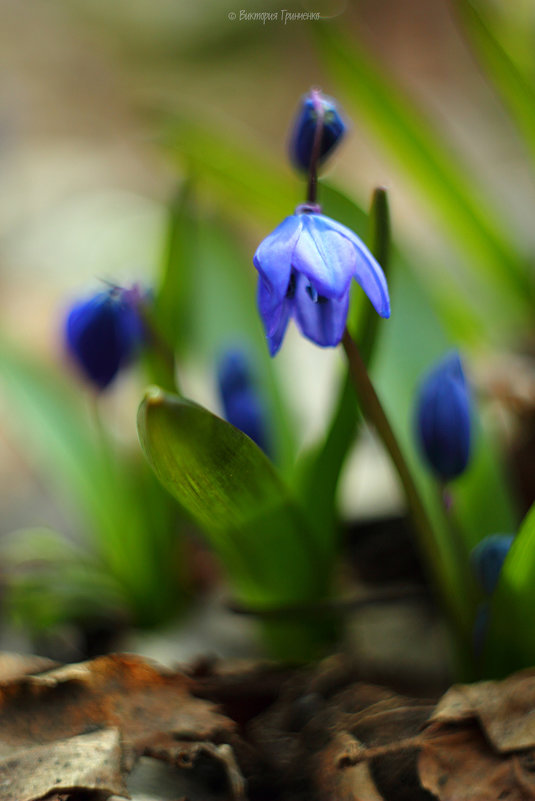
x,y
173,307
124,516
243,175
463,211
515,87
510,642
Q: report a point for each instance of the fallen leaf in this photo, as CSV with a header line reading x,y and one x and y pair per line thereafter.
x,y
44,719
505,709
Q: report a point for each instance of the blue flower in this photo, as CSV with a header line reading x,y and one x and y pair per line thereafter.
x,y
306,265
102,333
242,404
314,107
443,425
487,559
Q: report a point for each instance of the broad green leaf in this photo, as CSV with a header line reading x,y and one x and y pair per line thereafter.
x,y
514,85
510,642
495,269
233,493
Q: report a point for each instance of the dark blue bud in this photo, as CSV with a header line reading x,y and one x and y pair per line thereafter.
x,y
487,560
315,109
443,426
242,404
103,332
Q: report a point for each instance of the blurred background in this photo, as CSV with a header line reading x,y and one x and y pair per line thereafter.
x,y
107,109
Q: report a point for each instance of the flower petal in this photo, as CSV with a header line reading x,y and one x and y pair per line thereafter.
x,y
273,257
368,272
322,320
275,315
324,256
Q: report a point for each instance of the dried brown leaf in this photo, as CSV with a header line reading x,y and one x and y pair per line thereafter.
x,y
90,761
46,722
505,709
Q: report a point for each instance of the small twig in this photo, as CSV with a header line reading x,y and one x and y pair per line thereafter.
x,y
331,606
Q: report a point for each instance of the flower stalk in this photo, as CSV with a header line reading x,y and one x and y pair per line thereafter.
x,y
375,413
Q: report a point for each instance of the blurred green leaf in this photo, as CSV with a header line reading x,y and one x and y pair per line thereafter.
x,y
125,517
464,212
241,174
410,342
232,491
173,309
510,643
515,86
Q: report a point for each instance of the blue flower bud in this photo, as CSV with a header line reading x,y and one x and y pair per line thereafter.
x,y
242,404
103,332
443,425
315,109
487,560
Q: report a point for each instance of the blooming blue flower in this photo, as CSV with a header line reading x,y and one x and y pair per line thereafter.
x,y
443,425
242,404
487,559
306,265
313,107
102,333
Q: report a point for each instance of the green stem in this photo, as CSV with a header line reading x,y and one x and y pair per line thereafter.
x,y
374,412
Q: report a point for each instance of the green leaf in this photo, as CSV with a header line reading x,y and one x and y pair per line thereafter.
x,y
232,491
124,516
496,271
515,86
173,307
510,643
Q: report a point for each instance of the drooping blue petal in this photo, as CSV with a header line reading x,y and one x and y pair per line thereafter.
x,y
273,257
443,422
324,256
275,316
368,273
321,319
487,559
304,132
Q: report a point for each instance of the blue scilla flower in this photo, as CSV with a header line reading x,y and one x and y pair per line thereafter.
x,y
316,109
443,425
306,265
103,332
243,406
487,560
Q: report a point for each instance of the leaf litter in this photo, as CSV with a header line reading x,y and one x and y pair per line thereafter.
x,y
262,732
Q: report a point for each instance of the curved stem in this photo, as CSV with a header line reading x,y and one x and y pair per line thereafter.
x,y
374,413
